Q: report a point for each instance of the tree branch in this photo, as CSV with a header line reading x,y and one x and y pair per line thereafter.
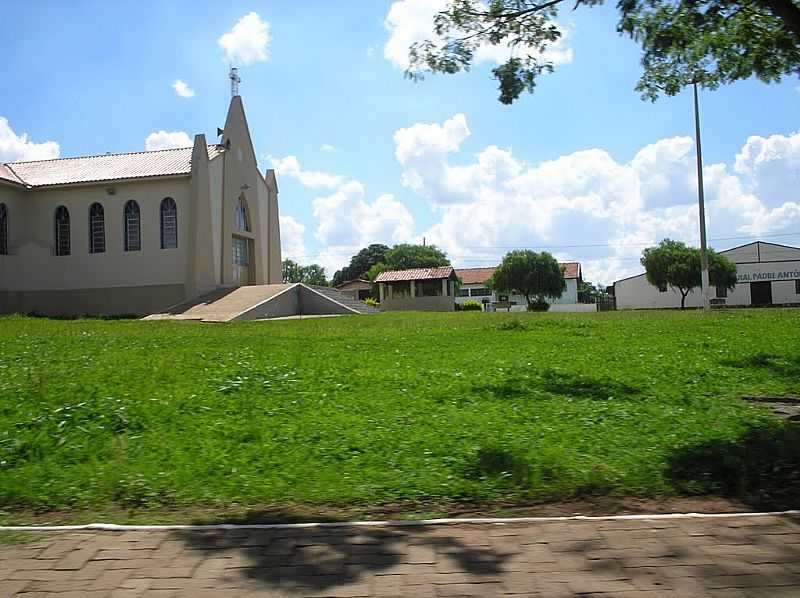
x,y
516,13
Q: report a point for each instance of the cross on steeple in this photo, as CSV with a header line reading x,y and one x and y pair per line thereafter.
x,y
235,80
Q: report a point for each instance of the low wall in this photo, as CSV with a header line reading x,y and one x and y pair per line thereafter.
x,y
281,305
113,301
442,303
316,304
574,307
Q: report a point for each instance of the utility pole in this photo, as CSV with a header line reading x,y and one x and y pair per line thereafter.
x,y
704,282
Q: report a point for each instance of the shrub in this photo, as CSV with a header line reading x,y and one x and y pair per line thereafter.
x,y
371,302
538,305
471,306
513,324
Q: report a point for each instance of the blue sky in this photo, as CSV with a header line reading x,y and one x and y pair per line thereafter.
x,y
583,161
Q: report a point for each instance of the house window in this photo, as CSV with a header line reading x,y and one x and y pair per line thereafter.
x,y
722,291
241,256
242,215
133,230
797,287
62,231
463,292
3,229
169,223
480,292
97,229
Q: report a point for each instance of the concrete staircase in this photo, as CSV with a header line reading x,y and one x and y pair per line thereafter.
x,y
264,302
221,305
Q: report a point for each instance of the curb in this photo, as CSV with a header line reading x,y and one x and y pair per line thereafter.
x,y
113,527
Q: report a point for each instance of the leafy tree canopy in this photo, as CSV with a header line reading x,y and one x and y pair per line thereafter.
x,y
360,263
674,264
405,256
294,272
536,276
712,42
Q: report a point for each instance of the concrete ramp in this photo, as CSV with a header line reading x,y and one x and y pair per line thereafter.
x,y
259,302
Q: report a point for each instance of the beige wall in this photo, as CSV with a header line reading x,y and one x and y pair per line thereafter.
x,y
35,268
116,301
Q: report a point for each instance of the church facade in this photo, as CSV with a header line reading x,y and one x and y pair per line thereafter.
x,y
131,234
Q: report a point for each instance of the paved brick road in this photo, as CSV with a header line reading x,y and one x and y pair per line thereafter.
x,y
736,557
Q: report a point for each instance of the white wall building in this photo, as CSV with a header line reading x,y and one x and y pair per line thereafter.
x,y
767,274
474,281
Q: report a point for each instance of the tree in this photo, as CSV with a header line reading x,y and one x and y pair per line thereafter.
x,y
405,256
294,272
531,274
360,263
709,41
674,264
314,274
291,271
588,290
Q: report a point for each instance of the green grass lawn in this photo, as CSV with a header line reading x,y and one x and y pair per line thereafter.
x,y
395,408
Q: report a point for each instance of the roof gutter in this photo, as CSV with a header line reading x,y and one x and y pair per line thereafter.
x,y
156,177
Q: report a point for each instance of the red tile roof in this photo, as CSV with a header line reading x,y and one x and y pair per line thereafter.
x,y
475,275
481,275
358,283
107,167
415,274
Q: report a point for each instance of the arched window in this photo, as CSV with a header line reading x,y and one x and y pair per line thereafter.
x,y
3,229
242,215
97,229
62,231
169,223
133,229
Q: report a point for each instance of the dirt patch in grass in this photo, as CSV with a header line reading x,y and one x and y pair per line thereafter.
x,y
599,506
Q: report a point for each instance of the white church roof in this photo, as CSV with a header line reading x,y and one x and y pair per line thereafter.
x,y
107,167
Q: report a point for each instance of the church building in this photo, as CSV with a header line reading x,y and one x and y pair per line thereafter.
x,y
132,234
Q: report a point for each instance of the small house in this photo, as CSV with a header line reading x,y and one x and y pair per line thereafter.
x,y
355,289
419,289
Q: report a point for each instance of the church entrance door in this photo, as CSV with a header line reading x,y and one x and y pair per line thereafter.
x,y
242,261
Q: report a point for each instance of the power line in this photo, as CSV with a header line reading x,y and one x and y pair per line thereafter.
x,y
596,245
479,257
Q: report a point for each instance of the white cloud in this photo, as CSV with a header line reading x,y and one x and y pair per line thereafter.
x,y
18,148
247,42
290,166
410,21
327,147
161,140
182,90
496,201
347,222
293,245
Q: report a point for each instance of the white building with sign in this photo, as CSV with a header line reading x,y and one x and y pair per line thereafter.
x,y
767,274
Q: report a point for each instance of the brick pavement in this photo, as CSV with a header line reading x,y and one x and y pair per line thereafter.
x,y
732,557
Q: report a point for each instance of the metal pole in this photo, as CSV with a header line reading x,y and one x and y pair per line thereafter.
x,y
704,282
